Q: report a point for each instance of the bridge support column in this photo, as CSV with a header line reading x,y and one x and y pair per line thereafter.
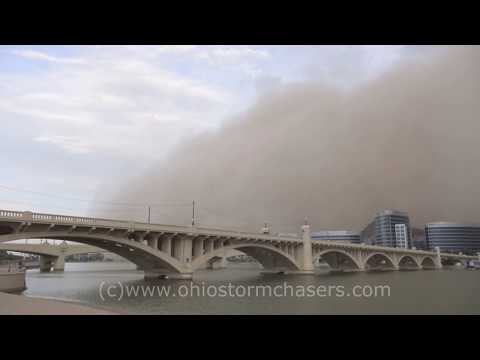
x,y
304,253
198,247
183,249
59,263
209,245
187,249
166,245
438,258
297,252
291,250
46,263
153,242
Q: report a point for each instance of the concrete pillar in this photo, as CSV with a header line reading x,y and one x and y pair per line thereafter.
x,y
177,247
59,263
209,245
137,237
438,258
187,249
198,247
297,250
183,249
153,241
166,245
478,256
46,263
307,262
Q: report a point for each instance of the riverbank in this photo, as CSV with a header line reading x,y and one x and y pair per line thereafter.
x,y
11,304
12,282
12,279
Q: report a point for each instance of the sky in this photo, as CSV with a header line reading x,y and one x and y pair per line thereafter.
x,y
78,118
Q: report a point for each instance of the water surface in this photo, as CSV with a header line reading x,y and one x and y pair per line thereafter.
x,y
447,291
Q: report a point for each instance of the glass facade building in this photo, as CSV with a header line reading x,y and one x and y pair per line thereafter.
x,y
338,235
453,237
418,238
389,228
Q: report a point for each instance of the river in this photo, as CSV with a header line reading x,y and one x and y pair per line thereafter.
x,y
105,285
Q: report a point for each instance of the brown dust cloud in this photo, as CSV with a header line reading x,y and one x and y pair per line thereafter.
x,y
407,140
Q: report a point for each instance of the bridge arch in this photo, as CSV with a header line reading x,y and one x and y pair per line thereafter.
x,y
138,253
377,259
268,256
407,261
44,249
336,258
37,252
428,263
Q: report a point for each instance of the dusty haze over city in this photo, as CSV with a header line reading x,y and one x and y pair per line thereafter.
x,y
407,139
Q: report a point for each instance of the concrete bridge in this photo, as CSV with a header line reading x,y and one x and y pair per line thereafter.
x,y
51,256
178,251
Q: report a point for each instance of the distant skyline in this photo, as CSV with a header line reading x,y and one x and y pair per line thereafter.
x,y
78,117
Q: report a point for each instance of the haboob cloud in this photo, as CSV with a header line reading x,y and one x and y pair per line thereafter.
x,y
409,140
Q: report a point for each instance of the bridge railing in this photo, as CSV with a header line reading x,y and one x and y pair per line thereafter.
x,y
32,216
76,220
9,213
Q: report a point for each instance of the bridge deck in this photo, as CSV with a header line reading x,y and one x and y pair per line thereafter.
x,y
74,221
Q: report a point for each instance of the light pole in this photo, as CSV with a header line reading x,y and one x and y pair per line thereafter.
x,y
149,214
193,213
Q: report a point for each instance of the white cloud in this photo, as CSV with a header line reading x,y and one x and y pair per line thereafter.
x,y
126,100
164,49
231,54
72,144
37,55
236,58
114,104
237,53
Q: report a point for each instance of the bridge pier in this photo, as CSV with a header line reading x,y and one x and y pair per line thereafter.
x,y
46,263
198,247
305,251
302,253
182,249
166,245
209,245
438,258
153,242
59,263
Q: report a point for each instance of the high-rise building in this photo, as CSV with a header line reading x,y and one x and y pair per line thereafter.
x,y
453,237
418,238
337,235
388,228
401,236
